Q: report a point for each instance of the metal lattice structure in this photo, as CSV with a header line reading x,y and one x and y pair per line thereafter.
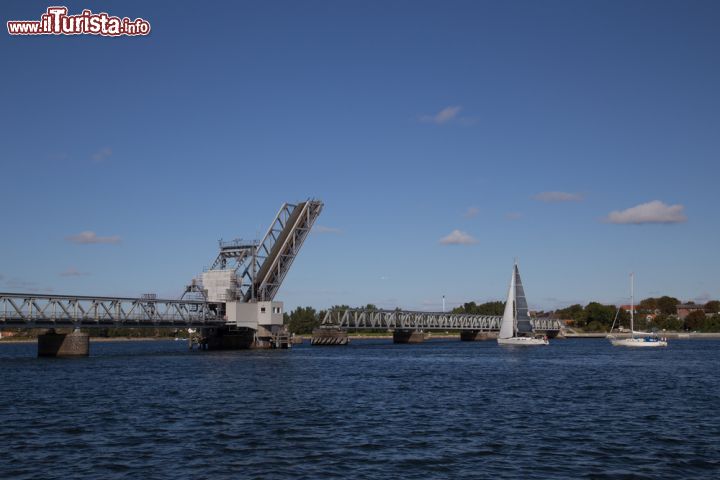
x,y
234,251
280,246
261,266
408,320
50,311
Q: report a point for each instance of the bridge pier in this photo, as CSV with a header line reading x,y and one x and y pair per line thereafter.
x,y
408,336
550,333
329,336
476,335
224,338
53,344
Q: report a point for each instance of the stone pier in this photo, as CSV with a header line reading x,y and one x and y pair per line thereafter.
x,y
329,336
476,335
408,336
53,344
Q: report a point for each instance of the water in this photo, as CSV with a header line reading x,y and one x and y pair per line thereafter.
x,y
373,410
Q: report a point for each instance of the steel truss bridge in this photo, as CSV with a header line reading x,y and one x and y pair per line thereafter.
x,y
62,311
407,320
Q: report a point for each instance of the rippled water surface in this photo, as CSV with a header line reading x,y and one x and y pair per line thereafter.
x,y
373,410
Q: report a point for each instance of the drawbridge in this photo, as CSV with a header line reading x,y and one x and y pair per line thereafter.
x,y
231,305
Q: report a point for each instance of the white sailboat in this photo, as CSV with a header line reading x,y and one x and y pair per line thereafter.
x,y
515,328
637,339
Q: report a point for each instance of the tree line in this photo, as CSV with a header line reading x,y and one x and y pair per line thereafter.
x,y
651,313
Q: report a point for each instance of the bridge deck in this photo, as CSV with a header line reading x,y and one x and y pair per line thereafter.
x,y
18,310
400,320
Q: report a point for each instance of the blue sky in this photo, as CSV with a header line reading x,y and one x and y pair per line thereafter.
x,y
413,121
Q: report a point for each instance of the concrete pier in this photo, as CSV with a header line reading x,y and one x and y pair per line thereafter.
x,y
408,336
53,344
225,338
476,335
551,333
329,336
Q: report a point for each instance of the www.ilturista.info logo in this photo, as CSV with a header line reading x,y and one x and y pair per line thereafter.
x,y
56,21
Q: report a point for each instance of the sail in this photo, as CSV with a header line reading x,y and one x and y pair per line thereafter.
x,y
507,327
521,306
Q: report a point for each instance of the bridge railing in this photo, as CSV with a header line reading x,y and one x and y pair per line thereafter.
x,y
30,310
401,319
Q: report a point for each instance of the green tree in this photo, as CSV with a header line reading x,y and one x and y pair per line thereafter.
x,y
695,320
303,320
487,308
599,317
712,323
713,306
668,322
573,312
649,304
491,308
667,305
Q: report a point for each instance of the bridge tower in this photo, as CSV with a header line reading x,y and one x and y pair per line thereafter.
x,y
242,282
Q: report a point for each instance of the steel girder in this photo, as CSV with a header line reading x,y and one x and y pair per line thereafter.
x,y
261,266
400,320
49,311
278,249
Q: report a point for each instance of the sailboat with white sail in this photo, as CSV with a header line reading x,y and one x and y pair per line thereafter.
x,y
637,339
515,328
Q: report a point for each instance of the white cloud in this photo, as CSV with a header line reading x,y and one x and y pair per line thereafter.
x,y
102,154
458,237
323,229
88,237
71,272
443,116
550,197
471,212
650,212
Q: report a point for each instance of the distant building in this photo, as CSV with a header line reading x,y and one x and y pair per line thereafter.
x,y
685,309
638,308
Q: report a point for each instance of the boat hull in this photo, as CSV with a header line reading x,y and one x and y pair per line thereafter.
x,y
637,343
522,341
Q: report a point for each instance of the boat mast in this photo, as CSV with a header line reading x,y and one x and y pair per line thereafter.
x,y
515,327
632,304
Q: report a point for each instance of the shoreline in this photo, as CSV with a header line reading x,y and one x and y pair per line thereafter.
x,y
307,337
669,335
96,339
